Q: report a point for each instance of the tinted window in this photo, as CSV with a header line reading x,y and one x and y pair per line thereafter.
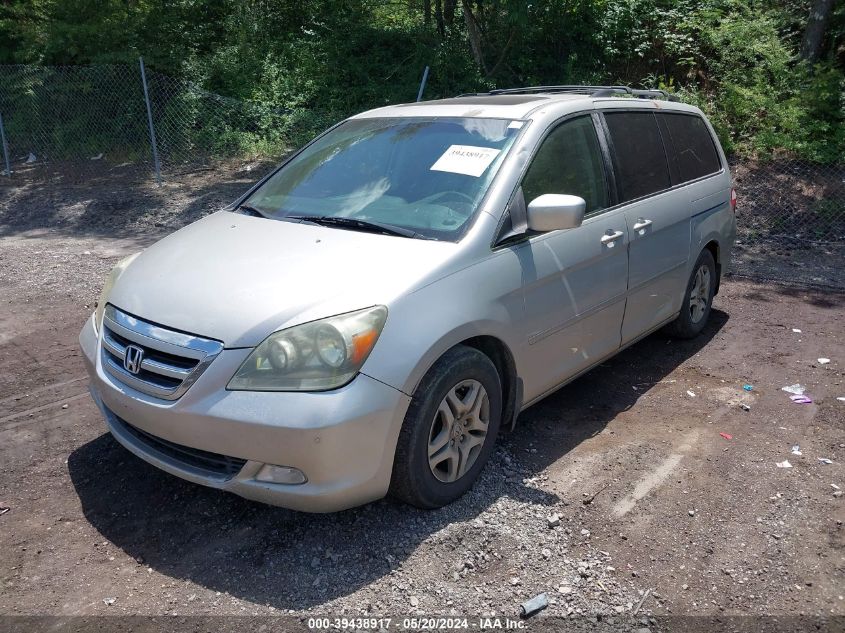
x,y
640,159
694,153
569,162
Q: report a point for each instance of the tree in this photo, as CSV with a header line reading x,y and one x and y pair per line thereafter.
x,y
813,42
474,34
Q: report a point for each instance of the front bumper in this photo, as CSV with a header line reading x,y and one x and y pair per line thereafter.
x,y
343,440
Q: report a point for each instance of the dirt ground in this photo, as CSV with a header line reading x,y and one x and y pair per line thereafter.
x,y
660,514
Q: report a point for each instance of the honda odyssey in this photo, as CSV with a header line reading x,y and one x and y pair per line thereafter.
x,y
366,318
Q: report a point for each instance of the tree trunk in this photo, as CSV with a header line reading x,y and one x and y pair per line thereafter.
x,y
474,35
449,11
811,47
438,15
427,11
503,55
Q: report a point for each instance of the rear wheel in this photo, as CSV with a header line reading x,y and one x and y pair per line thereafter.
x,y
698,299
449,430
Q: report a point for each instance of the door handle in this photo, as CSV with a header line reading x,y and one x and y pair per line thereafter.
x,y
641,224
609,238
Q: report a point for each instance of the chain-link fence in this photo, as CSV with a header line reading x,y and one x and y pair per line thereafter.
x,y
791,221
85,122
72,115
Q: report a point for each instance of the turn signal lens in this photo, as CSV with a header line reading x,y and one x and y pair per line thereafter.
x,y
362,344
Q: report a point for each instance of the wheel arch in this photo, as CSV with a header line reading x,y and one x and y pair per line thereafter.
x,y
715,250
500,354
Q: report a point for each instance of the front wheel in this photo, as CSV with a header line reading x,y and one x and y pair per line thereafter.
x,y
698,299
449,430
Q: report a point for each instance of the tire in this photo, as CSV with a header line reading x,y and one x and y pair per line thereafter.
x,y
426,483
698,299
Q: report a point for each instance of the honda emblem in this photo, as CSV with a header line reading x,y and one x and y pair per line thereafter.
x,y
132,358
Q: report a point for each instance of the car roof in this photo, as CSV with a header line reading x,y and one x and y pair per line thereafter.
x,y
511,106
484,106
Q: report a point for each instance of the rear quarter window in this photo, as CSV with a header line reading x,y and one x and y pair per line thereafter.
x,y
693,152
641,163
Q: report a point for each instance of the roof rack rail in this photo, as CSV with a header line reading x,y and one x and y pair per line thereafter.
x,y
593,91
574,89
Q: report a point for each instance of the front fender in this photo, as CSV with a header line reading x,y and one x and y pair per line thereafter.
x,y
484,299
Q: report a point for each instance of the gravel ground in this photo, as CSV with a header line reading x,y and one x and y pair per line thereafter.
x,y
657,514
792,262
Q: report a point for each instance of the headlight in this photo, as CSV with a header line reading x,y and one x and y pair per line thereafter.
x,y
315,356
112,278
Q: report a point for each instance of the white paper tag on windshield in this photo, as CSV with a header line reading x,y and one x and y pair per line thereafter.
x,y
466,159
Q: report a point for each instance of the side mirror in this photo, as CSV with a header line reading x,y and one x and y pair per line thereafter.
x,y
553,211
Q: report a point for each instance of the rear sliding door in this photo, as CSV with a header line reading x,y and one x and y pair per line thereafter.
x,y
657,217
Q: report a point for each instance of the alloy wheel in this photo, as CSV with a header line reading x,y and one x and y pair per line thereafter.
x,y
699,294
458,430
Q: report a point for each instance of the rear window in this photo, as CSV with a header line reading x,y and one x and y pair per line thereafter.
x,y
642,168
694,152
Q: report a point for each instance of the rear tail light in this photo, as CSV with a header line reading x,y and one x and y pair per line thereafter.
x,y
733,199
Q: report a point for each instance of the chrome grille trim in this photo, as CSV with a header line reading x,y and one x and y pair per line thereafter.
x,y
173,361
119,350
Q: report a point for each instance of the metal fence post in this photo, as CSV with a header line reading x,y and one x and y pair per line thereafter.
x,y
5,147
150,121
422,84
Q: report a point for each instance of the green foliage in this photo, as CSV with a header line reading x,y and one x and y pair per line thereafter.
x,y
759,97
74,110
321,60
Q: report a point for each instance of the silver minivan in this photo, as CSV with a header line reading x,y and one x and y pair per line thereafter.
x,y
367,317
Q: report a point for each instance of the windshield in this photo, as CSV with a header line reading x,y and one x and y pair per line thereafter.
x,y
421,174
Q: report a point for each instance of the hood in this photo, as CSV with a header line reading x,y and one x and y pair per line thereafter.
x,y
237,278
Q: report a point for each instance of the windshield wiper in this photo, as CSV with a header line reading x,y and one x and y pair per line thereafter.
x,y
356,224
247,209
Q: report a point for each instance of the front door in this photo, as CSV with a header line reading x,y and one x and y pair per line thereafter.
x,y
575,280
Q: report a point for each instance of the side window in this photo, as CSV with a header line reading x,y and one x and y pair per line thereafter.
x,y
569,161
641,162
694,152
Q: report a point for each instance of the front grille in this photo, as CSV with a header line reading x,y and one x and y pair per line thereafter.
x,y
168,361
210,464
